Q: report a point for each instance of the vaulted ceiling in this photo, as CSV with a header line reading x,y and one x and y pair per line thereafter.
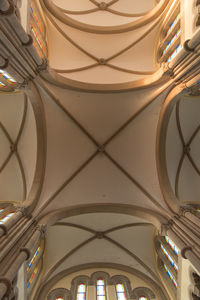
x,y
100,147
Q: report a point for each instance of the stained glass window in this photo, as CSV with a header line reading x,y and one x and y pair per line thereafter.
x,y
176,51
171,41
101,293
174,265
33,259
6,217
36,37
171,26
81,292
170,276
120,291
35,15
143,298
37,29
59,298
33,276
171,244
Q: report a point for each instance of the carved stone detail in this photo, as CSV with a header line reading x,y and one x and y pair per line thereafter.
x,y
60,292
144,291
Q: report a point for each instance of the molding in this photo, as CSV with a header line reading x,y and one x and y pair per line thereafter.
x,y
38,108
60,292
172,98
56,79
146,292
53,216
167,108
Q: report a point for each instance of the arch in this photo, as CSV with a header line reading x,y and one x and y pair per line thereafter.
x,y
60,292
43,289
123,280
100,274
142,291
82,279
151,216
171,99
37,105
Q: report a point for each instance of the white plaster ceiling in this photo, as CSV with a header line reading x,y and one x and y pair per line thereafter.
x,y
66,238
21,164
73,48
100,180
188,189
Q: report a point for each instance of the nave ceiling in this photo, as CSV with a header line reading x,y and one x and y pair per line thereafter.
x,y
100,147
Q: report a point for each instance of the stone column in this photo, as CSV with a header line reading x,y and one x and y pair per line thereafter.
x,y
4,5
185,248
6,280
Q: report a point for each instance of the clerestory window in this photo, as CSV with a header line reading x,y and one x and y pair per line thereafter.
x,y
100,289
120,291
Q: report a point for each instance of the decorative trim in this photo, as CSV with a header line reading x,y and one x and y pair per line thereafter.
x,y
59,292
38,108
58,80
76,281
125,281
142,291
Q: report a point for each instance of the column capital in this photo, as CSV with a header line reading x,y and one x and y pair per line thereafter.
x,y
23,210
43,66
167,70
42,228
166,226
184,250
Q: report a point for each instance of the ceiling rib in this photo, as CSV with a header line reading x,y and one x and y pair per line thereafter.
x,y
71,252
99,235
13,147
101,149
103,61
133,256
104,7
185,151
75,226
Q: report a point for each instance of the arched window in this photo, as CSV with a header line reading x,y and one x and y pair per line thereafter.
x,y
172,245
168,261
81,292
84,287
142,293
37,29
34,266
120,291
100,289
36,254
6,79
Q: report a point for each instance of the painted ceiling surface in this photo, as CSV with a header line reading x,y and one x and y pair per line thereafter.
x,y
111,42
100,147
